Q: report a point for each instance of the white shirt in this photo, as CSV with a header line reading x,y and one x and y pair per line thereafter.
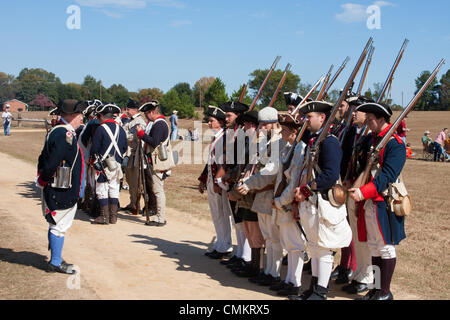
x,y
7,116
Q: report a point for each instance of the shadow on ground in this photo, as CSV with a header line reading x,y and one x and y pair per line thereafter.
x,y
24,258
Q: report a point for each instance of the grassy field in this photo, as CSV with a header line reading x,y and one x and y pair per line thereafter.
x,y
423,262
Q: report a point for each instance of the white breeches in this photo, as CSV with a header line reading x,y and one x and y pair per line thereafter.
x,y
274,251
375,239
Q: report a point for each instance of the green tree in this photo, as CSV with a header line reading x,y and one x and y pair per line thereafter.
x,y
200,88
70,91
32,82
291,84
186,108
444,91
236,95
149,94
429,99
215,95
169,102
184,88
96,90
119,94
7,87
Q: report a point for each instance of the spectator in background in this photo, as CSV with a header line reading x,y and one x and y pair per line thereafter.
x,y
174,126
439,145
401,131
426,140
447,144
195,135
7,117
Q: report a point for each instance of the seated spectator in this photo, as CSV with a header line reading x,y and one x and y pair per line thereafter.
x,y
426,140
439,146
409,153
195,135
447,144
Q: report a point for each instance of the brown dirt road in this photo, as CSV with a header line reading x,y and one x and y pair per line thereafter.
x,y
124,261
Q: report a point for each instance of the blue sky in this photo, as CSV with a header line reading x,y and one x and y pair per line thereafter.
x,y
158,43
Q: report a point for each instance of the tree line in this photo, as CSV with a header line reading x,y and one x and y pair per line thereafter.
x,y
42,90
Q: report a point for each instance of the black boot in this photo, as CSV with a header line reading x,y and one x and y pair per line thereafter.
x,y
103,218
319,293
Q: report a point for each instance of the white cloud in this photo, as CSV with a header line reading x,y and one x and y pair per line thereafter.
x,y
352,13
133,4
356,12
179,23
111,14
167,3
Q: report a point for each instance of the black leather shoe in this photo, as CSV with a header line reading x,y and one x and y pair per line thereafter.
x,y
268,280
345,276
229,261
288,290
219,255
155,224
236,264
369,295
278,286
378,296
129,207
62,268
318,293
355,287
208,253
336,272
247,272
295,297
257,278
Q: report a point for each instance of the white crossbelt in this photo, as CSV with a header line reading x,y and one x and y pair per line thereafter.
x,y
113,141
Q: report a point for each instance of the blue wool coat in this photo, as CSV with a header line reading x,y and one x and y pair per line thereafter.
x,y
56,149
101,142
393,158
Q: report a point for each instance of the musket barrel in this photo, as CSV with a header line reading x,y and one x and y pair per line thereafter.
x,y
314,87
409,107
391,73
255,100
366,68
338,72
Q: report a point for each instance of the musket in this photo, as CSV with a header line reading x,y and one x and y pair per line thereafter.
x,y
325,83
338,72
314,150
258,94
358,93
143,162
365,129
374,152
141,182
305,98
244,90
271,103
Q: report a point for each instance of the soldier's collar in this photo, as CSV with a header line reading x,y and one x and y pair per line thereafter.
x,y
62,121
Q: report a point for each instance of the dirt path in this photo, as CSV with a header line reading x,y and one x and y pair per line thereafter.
x,y
124,261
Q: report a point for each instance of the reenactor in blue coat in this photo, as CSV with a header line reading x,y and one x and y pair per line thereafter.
x,y
381,228
106,155
329,160
61,175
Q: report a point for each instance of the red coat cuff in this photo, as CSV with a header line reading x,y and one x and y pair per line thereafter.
x,y
369,191
42,182
141,134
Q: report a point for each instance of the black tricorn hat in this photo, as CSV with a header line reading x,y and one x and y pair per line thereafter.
x,y
250,116
108,108
292,98
316,106
216,112
361,100
71,106
378,109
232,106
132,104
149,106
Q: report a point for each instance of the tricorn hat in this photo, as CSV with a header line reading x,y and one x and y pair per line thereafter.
x,y
232,106
149,106
108,108
250,116
132,104
292,98
316,106
378,109
70,106
216,112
